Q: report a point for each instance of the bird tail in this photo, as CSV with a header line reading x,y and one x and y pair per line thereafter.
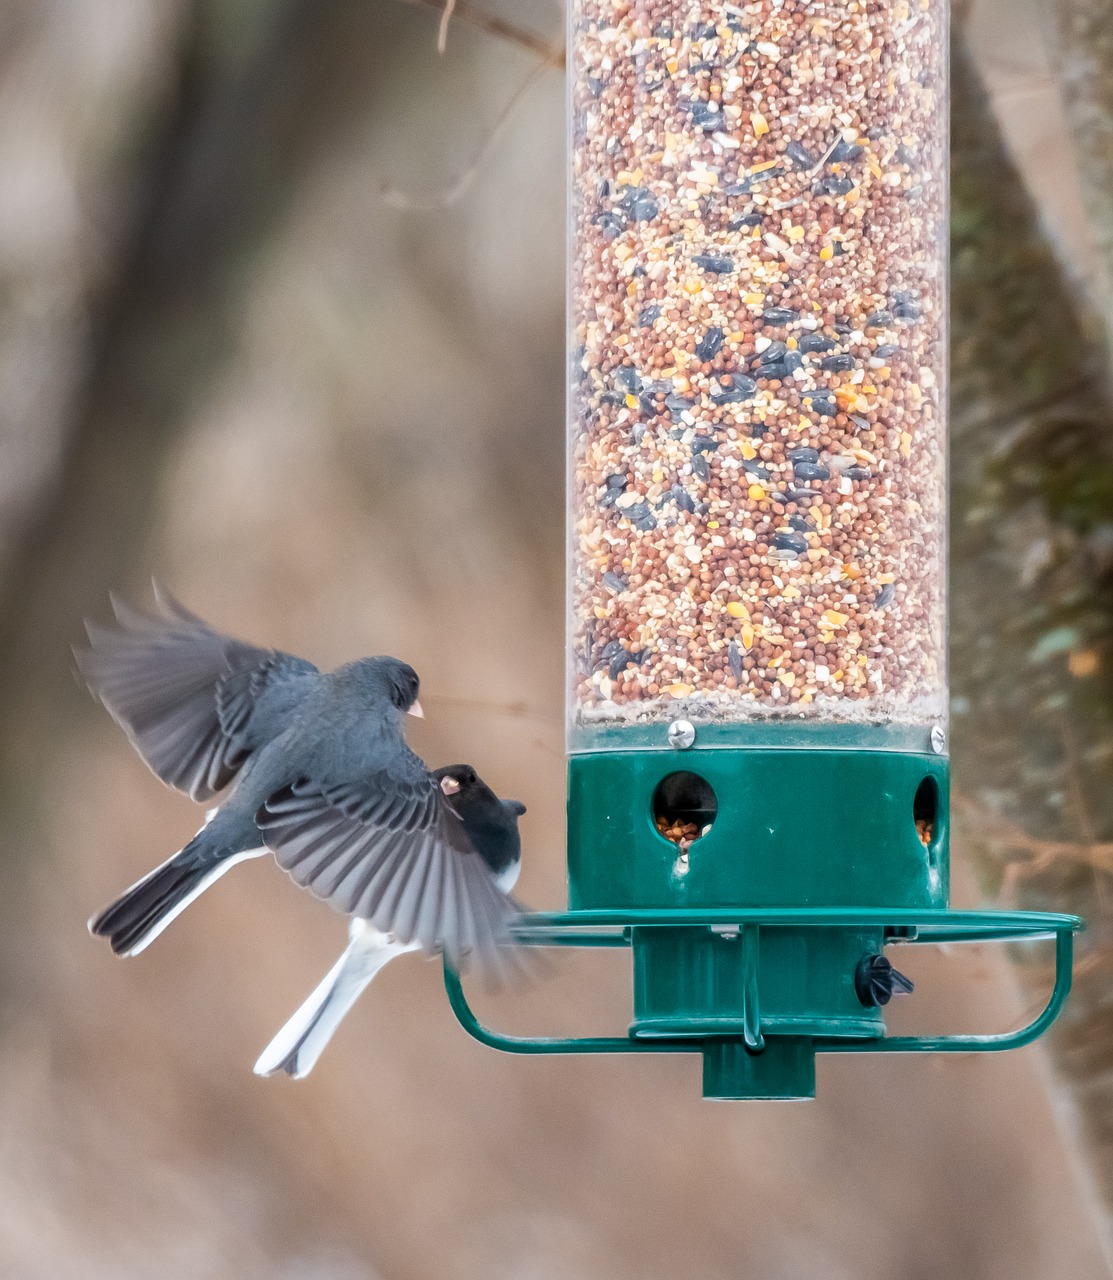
x,y
135,919
299,1044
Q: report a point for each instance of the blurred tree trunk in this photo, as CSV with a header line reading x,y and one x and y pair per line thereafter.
x,y
1032,586
1086,75
259,92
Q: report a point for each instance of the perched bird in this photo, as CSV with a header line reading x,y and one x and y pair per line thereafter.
x,y
320,775
491,825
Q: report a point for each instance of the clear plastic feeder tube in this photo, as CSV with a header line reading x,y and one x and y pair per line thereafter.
x,y
758,303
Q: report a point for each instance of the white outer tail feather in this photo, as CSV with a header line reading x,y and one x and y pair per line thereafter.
x,y
299,1044
211,879
226,865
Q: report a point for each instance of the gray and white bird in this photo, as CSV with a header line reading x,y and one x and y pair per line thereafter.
x,y
320,775
492,826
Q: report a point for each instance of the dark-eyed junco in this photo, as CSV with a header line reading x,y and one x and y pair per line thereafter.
x,y
321,775
492,827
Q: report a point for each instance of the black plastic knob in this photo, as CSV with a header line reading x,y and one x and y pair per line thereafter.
x,y
876,981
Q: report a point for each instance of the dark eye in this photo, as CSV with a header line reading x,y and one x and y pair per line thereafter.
x,y
470,776
405,688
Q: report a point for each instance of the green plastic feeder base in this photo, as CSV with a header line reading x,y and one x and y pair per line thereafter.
x,y
818,847
791,827
702,982
784,1071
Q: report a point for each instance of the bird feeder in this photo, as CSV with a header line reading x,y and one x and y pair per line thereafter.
x,y
757,698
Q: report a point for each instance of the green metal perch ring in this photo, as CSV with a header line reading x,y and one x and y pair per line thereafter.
x,y
730,1059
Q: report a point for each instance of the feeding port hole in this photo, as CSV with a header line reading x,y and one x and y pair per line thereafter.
x,y
925,811
684,807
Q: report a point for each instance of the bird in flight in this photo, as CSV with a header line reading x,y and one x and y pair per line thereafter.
x,y
316,770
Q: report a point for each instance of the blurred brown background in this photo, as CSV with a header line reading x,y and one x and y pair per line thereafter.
x,y
281,321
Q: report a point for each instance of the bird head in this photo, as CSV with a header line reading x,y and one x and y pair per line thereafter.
x,y
491,824
460,781
455,779
397,680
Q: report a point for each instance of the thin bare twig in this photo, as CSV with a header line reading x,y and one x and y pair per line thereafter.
x,y
1038,852
516,709
450,194
494,26
442,30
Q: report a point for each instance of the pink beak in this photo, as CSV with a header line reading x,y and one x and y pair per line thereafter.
x,y
416,710
449,786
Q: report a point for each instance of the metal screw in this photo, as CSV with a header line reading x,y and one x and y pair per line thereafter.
x,y
682,733
938,739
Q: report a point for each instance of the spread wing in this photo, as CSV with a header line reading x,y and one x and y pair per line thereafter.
x,y
185,694
390,849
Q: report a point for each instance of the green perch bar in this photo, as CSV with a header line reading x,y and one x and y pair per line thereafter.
x,y
748,1059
